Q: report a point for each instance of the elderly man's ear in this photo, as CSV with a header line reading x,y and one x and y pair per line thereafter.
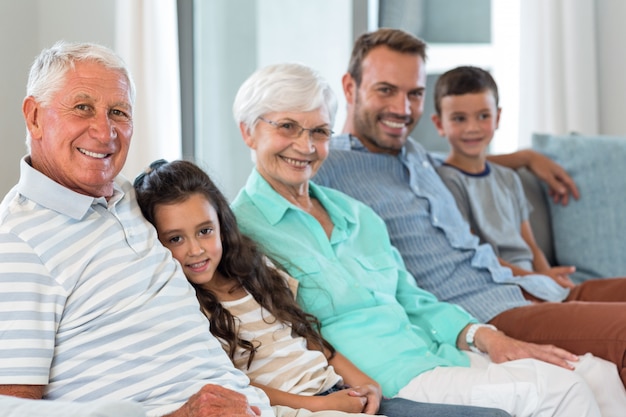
x,y
30,109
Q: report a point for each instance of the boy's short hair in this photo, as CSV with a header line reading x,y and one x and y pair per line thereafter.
x,y
464,80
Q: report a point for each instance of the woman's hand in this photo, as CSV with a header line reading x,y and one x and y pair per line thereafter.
x,y
502,348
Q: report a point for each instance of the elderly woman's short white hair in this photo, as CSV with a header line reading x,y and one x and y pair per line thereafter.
x,y
289,87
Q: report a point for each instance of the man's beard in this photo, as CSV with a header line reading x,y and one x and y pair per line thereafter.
x,y
367,130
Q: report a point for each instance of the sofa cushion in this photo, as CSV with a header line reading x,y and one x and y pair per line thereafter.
x,y
589,232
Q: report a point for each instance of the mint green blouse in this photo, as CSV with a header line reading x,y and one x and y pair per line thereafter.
x,y
369,305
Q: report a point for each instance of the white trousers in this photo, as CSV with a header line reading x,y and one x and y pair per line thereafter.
x,y
525,387
603,379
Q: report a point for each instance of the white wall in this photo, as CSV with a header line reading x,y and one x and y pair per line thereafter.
x,y
236,38
26,27
225,34
17,48
612,66
322,40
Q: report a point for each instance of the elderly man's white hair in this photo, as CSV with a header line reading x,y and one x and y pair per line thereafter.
x,y
47,73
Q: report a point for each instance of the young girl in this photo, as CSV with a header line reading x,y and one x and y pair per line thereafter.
x,y
251,304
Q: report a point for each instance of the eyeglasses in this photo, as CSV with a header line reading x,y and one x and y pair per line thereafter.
x,y
293,130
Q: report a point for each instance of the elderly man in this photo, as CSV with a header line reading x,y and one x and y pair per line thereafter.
x,y
92,307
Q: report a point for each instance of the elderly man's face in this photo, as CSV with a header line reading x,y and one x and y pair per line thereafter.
x,y
81,138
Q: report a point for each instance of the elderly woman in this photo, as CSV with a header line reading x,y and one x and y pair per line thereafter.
x,y
355,282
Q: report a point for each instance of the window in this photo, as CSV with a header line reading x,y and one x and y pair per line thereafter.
x,y
232,38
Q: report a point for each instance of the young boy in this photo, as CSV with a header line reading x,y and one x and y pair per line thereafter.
x,y
490,197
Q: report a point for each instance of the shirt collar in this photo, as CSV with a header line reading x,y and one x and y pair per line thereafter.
x,y
347,142
49,194
273,206
411,149
338,209
412,153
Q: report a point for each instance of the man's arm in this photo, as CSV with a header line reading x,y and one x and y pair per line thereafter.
x,y
560,184
34,392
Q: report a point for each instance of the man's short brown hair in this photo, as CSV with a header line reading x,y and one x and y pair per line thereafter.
x,y
395,39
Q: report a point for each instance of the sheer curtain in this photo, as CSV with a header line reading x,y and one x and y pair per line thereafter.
x,y
559,87
147,39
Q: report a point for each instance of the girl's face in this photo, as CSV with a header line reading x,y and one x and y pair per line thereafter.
x,y
191,231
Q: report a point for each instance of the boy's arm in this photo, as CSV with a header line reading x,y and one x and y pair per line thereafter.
x,y
560,184
516,270
540,263
560,274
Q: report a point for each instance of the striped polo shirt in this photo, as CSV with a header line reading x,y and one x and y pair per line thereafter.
x,y
93,307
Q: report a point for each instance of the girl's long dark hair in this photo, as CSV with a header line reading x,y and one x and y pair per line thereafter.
x,y
242,260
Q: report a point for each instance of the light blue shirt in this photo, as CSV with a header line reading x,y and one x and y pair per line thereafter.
x,y
370,308
93,307
424,223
